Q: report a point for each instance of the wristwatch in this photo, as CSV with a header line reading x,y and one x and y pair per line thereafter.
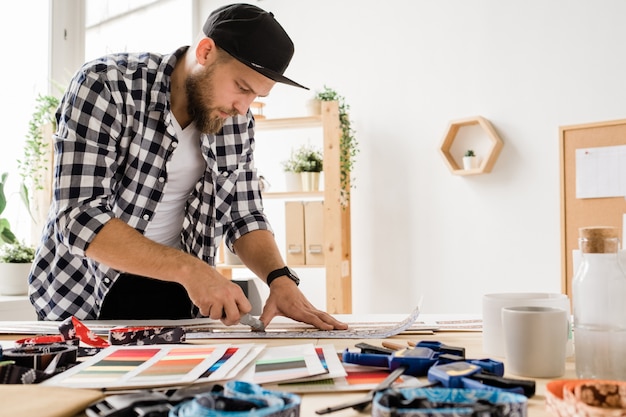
x,y
283,272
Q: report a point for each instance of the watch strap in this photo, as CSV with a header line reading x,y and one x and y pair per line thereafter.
x,y
281,272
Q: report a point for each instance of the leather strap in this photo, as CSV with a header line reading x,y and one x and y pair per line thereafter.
x,y
444,402
586,397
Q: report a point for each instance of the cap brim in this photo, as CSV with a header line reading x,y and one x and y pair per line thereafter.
x,y
272,75
279,78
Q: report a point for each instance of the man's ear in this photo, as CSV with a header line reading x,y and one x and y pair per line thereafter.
x,y
205,50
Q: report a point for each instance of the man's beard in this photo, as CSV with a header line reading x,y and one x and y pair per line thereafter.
x,y
198,92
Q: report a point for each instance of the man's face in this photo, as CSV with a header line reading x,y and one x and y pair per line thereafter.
x,y
221,89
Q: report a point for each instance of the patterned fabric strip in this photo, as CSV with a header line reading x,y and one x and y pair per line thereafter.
x,y
447,402
240,398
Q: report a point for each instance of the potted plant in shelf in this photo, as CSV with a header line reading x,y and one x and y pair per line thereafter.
x,y
308,162
470,161
349,147
292,178
15,257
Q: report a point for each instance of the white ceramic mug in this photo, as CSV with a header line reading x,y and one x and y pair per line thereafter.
x,y
493,337
535,340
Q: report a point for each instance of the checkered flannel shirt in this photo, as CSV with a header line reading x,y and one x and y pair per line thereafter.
x,y
112,144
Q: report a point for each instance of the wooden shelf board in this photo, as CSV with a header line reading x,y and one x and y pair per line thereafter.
x,y
289,123
293,195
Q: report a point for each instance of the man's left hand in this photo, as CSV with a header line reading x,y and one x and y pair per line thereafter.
x,y
287,300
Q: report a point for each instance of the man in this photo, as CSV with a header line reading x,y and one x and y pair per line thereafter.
x,y
153,164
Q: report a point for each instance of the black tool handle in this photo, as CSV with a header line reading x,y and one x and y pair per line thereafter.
x,y
528,386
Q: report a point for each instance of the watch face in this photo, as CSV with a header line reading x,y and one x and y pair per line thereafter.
x,y
293,276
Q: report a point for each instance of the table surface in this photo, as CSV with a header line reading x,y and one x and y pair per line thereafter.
x,y
472,341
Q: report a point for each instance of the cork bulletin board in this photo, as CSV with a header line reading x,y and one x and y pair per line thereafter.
x,y
579,212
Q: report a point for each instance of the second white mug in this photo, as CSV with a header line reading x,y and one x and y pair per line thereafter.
x,y
535,340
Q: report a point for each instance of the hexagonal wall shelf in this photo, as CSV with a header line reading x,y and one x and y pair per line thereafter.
x,y
487,162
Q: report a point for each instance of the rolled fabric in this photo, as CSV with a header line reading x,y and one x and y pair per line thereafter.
x,y
240,399
447,402
146,335
38,357
586,398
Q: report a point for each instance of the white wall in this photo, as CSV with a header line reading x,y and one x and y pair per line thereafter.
x,y
408,67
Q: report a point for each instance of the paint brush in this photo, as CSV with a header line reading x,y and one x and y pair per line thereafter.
x,y
256,324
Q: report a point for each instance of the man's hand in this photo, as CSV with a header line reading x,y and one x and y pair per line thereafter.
x,y
287,300
218,297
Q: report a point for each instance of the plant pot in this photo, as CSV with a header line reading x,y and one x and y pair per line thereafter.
x,y
14,278
470,162
310,181
293,182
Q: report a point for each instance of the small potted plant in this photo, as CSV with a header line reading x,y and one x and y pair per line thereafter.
x,y
469,160
308,162
292,178
15,257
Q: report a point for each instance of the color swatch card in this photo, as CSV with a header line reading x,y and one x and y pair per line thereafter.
x,y
331,363
335,371
358,378
284,363
119,367
234,360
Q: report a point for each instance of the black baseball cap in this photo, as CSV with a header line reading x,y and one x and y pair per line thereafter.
x,y
252,36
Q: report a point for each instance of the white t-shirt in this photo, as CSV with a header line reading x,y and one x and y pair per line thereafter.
x,y
183,170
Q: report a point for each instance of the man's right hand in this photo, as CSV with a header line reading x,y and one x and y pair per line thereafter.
x,y
123,248
217,297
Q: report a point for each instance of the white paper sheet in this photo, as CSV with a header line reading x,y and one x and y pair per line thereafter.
x,y
601,172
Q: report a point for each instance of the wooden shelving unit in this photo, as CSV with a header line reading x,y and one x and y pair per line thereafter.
x,y
337,231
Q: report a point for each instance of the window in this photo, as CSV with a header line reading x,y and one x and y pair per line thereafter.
x,y
109,26
24,30
136,26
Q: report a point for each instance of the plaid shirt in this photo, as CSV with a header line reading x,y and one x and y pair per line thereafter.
x,y
112,144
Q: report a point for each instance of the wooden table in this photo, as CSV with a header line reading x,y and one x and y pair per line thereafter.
x,y
471,341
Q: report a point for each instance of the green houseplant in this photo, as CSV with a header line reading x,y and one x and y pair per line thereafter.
x,y
308,162
15,257
307,159
469,159
33,167
17,253
349,146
